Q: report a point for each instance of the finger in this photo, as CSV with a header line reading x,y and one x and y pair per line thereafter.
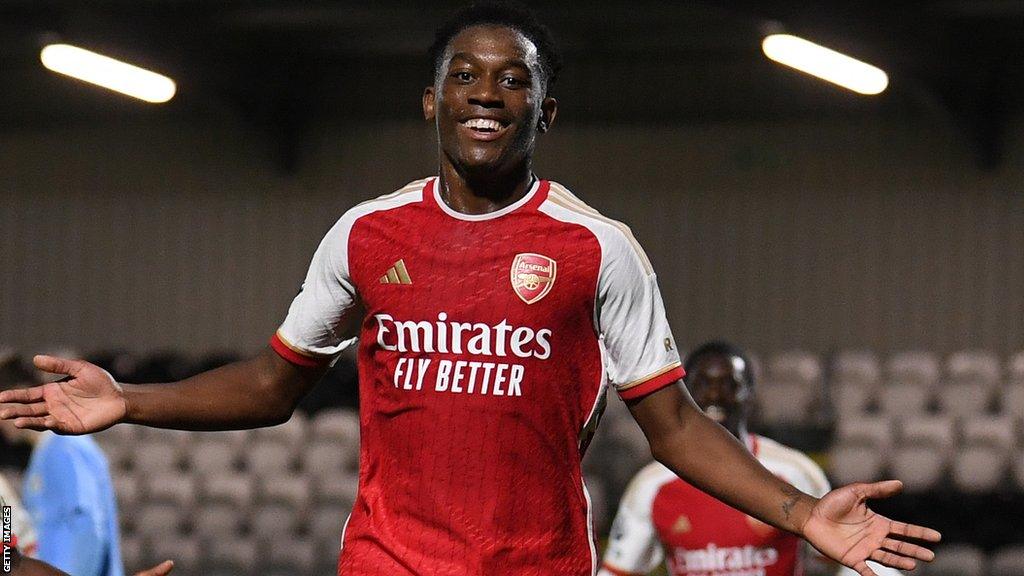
x,y
162,569
55,365
886,558
863,569
883,489
914,531
907,549
22,395
39,423
11,411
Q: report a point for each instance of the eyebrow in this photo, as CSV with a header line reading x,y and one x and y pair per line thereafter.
x,y
470,57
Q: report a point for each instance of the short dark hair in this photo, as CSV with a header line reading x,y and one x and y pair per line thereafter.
x,y
501,13
720,348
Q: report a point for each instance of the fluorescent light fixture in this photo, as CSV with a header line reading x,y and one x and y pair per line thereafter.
x,y
108,73
824,63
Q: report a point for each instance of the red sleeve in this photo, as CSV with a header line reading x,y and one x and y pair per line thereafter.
x,y
653,384
296,356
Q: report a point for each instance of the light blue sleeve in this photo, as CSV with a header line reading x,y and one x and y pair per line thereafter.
x,y
67,508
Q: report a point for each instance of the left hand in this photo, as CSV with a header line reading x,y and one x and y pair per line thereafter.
x,y
162,569
842,527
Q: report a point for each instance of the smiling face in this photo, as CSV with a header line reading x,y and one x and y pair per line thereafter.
x,y
488,101
718,384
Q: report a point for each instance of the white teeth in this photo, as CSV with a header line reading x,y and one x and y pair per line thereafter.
x,y
482,124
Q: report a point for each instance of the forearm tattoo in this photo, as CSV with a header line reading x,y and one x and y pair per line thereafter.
x,y
790,503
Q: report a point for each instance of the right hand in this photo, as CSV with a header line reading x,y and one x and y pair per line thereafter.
x,y
88,400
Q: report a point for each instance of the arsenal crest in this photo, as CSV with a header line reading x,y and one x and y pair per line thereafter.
x,y
533,276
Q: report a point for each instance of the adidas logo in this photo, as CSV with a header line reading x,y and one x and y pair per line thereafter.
x,y
397,274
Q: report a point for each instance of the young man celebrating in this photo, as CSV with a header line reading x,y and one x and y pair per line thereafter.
x,y
661,518
497,307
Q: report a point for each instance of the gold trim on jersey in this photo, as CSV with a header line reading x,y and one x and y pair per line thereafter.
x,y
397,274
650,376
560,195
410,187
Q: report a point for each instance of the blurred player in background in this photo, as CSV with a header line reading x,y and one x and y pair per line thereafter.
x,y
497,307
661,518
23,566
69,496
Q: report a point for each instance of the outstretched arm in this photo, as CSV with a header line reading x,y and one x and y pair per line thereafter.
x,y
839,525
260,391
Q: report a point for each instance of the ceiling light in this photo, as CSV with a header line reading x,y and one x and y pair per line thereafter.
x,y
108,73
824,63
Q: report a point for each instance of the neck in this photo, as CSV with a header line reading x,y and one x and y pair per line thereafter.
x,y
482,193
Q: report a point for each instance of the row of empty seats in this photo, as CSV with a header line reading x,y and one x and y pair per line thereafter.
x,y
922,468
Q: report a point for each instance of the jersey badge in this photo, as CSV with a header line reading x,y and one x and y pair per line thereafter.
x,y
397,274
532,276
682,525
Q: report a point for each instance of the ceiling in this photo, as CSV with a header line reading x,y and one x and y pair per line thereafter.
x,y
284,64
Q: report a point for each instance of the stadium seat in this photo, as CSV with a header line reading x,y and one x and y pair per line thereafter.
x,y
338,426
855,463
932,431
326,523
851,399
873,430
212,455
995,431
128,490
233,488
292,433
275,520
1013,400
920,467
329,457
979,469
916,367
957,560
119,458
1008,561
904,398
158,520
795,366
856,368
269,456
965,398
120,435
218,520
231,556
336,488
291,553
177,438
292,490
184,550
1015,368
172,488
155,456
782,403
974,366
132,548
1018,469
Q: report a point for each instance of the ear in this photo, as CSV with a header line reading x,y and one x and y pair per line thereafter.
x,y
429,99
548,111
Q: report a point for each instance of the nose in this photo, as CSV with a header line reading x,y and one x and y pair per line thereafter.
x,y
487,94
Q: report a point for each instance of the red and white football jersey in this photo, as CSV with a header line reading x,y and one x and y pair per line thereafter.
x,y
21,524
664,519
484,355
